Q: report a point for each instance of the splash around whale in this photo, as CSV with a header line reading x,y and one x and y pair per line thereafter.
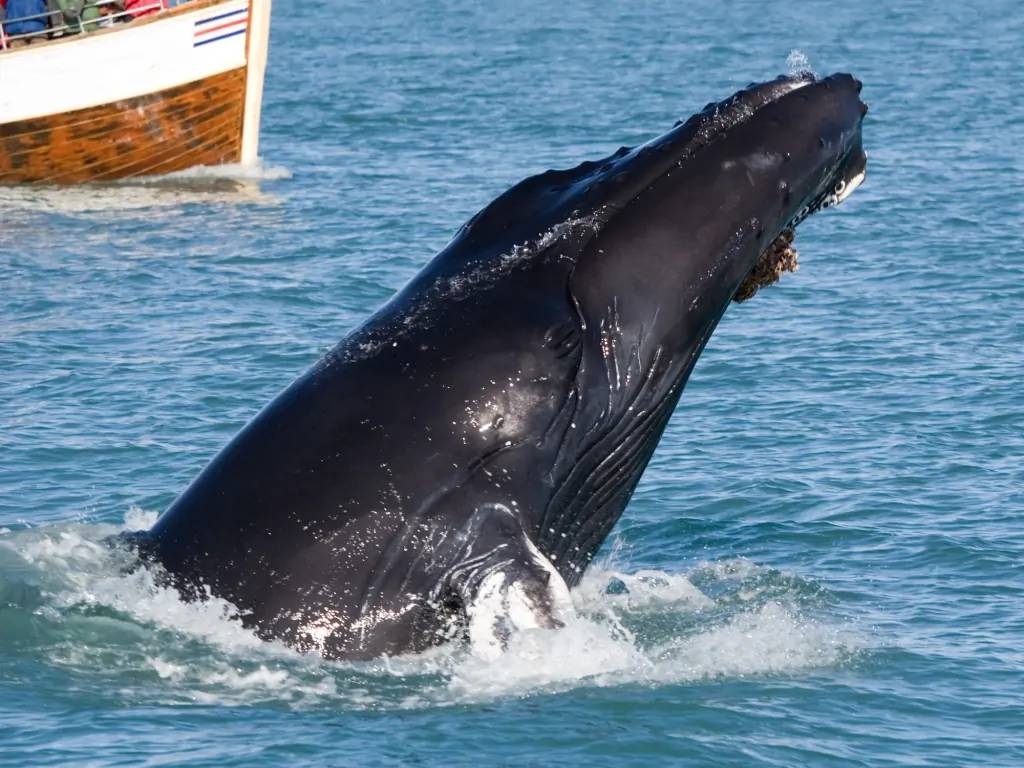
x,y
451,467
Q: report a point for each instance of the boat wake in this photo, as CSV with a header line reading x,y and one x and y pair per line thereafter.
x,y
68,606
258,171
203,185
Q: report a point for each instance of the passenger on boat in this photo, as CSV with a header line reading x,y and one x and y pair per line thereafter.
x,y
137,8
34,26
76,13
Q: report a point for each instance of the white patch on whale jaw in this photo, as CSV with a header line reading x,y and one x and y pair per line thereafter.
x,y
842,190
849,187
505,605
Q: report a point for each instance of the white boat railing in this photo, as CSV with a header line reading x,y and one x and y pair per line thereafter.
x,y
59,24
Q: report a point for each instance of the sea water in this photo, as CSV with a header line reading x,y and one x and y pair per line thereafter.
x,y
823,562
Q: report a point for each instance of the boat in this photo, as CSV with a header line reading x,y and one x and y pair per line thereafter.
x,y
136,88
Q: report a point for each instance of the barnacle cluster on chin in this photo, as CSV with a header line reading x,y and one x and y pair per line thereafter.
x,y
779,257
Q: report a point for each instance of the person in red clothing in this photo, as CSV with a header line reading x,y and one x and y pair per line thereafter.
x,y
145,7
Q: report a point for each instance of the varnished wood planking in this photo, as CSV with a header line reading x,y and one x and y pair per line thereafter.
x,y
197,123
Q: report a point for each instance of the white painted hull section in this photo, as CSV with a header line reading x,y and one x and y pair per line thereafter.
x,y
123,62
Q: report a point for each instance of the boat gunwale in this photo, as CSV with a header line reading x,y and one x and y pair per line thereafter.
x,y
149,18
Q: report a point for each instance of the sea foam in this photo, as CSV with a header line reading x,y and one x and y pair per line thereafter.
x,y
91,612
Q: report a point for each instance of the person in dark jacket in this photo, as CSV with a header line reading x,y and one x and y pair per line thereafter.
x,y
17,10
77,12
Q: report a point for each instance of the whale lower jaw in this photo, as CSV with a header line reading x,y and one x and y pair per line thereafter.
x,y
780,256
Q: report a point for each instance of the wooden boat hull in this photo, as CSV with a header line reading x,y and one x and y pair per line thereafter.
x,y
207,120
193,124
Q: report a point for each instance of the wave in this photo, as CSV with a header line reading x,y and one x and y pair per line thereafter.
x,y
67,601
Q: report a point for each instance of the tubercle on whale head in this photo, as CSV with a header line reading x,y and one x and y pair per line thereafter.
x,y
688,138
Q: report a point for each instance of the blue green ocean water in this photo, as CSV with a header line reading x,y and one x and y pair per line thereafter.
x,y
823,563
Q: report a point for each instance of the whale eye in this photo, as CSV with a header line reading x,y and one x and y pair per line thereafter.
x,y
840,186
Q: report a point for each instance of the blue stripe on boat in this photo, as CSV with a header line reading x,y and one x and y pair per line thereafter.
x,y
222,16
215,39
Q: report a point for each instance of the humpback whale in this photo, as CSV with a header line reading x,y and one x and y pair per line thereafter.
x,y
450,468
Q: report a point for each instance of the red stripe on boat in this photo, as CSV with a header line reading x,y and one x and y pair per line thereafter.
x,y
208,30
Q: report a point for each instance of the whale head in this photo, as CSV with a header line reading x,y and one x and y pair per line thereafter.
x,y
686,216
698,208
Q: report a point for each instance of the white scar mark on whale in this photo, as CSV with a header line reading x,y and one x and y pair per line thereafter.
x,y
503,606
